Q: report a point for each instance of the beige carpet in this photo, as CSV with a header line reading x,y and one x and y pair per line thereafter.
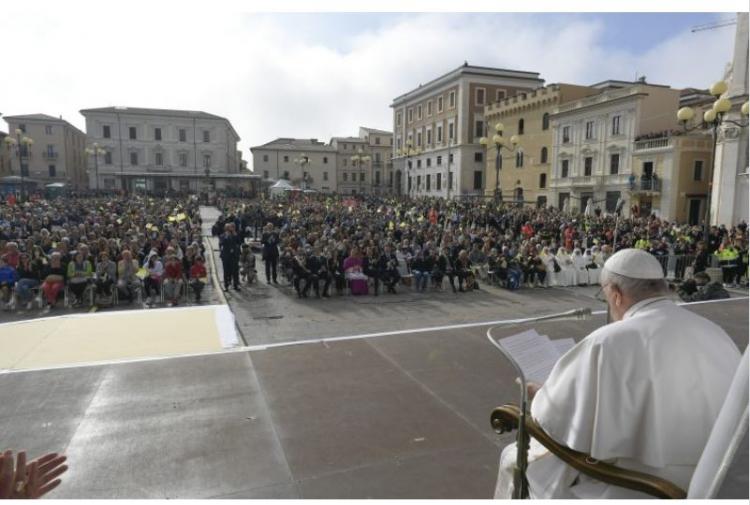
x,y
115,336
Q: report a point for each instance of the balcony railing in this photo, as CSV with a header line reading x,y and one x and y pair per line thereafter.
x,y
646,185
49,155
659,143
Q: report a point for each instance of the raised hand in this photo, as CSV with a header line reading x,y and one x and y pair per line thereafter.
x,y
34,479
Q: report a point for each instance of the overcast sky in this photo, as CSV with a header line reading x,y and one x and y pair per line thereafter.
x,y
323,75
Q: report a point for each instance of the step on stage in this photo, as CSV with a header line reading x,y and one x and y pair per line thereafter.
x,y
393,416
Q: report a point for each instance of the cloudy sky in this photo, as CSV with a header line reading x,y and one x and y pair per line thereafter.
x,y
324,74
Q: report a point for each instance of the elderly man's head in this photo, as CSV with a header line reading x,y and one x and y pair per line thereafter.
x,y
628,277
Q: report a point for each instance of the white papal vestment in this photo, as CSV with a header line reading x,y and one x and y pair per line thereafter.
x,y
642,393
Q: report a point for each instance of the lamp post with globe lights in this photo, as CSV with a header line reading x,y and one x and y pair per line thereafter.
x,y
358,159
21,144
500,143
712,119
95,151
302,162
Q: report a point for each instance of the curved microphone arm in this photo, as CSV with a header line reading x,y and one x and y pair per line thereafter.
x,y
520,483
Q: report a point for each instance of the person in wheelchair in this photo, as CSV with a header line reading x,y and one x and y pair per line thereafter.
x,y
642,392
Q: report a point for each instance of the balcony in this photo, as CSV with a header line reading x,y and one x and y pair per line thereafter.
x,y
646,185
585,180
659,143
161,169
50,155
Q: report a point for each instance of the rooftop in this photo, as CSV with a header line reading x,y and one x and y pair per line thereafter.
x,y
39,117
292,144
376,131
470,70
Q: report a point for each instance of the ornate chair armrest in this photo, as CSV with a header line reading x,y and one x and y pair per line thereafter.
x,y
506,418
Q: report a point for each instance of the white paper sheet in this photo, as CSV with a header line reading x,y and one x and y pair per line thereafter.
x,y
535,354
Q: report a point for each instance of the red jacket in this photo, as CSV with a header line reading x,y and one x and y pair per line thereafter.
x,y
197,271
173,270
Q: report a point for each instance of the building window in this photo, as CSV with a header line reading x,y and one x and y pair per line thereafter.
x,y
479,128
429,180
408,184
616,125
377,178
545,121
478,179
22,127
450,158
429,162
325,160
108,158
611,198
52,171
419,163
325,176
286,160
698,170
362,177
183,159
429,137
429,108
614,164
501,94
439,160
543,155
183,135
450,180
589,130
158,160
206,136
206,161
106,133
131,132
450,131
478,156
377,141
480,96
48,129
265,158
519,159
542,181
440,104
566,134
451,99
346,176
419,138
588,163
265,174
409,115
419,112
439,182
520,126
440,134
564,169
157,133
286,174
398,119
134,159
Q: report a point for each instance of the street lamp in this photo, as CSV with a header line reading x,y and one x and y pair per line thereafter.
x,y
713,118
500,143
21,143
359,159
95,150
303,161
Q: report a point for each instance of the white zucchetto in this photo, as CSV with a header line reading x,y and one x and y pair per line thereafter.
x,y
634,263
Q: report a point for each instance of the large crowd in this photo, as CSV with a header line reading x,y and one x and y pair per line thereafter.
x,y
100,250
351,244
103,250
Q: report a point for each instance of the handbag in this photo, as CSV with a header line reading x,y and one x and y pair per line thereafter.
x,y
556,265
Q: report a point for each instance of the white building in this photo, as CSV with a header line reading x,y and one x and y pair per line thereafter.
x,y
443,121
159,150
306,163
729,197
593,141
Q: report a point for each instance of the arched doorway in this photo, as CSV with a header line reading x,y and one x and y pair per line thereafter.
x,y
518,194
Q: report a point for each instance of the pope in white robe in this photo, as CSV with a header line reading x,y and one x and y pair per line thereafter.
x,y
642,392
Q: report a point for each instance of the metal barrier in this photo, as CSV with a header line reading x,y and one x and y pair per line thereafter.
x,y
674,265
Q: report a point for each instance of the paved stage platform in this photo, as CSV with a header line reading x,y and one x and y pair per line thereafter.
x,y
394,415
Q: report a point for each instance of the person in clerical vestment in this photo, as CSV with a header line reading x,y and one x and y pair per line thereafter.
x,y
642,392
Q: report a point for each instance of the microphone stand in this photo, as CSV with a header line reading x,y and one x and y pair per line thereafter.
x,y
520,482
